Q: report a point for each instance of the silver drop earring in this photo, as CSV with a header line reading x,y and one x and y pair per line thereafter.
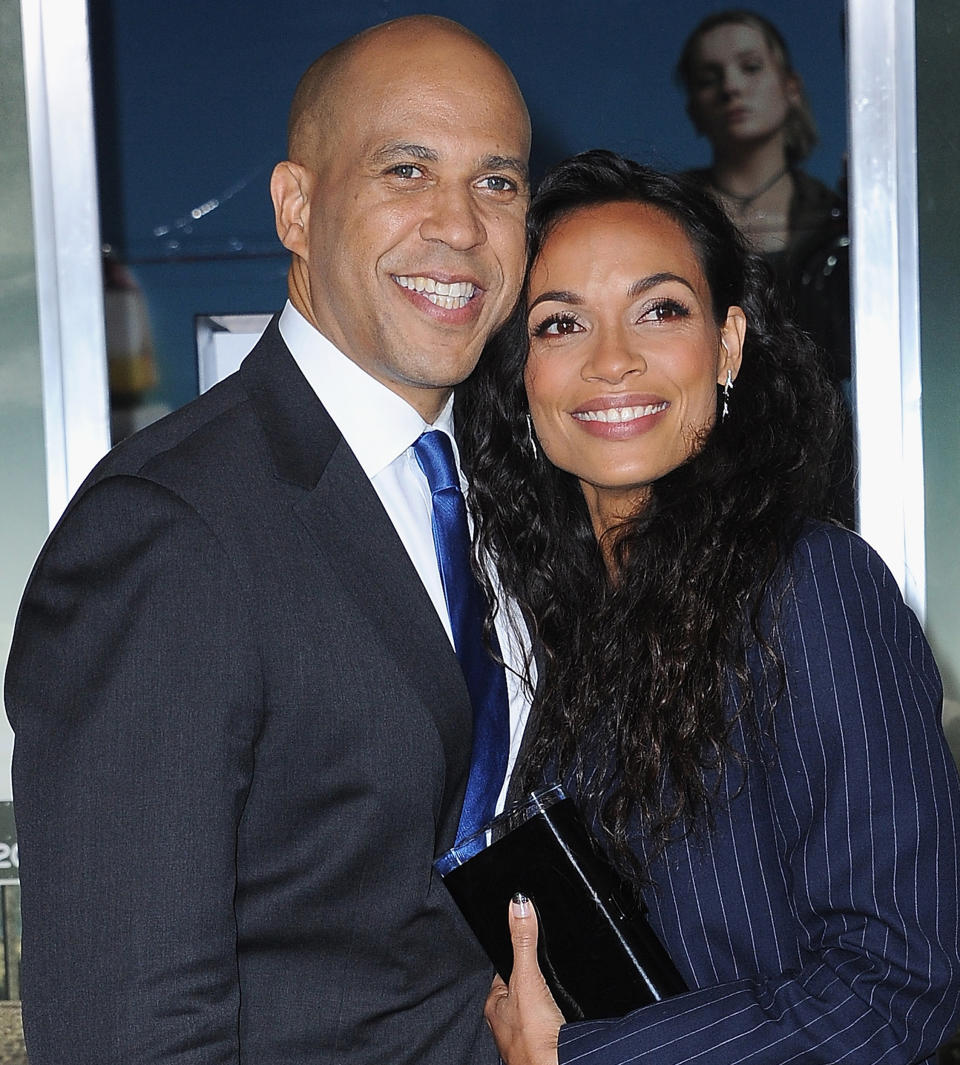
x,y
727,389
531,440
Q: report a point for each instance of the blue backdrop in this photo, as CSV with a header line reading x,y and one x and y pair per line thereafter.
x,y
191,101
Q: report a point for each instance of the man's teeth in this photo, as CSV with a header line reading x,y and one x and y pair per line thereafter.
x,y
450,295
619,414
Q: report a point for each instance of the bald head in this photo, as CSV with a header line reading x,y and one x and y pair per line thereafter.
x,y
337,79
403,202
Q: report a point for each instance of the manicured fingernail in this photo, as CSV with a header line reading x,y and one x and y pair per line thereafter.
x,y
520,905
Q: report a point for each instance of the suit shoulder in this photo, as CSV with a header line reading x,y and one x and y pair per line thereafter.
x,y
180,433
215,422
200,457
840,589
825,548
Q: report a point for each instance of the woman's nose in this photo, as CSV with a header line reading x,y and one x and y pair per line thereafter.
x,y
612,357
731,83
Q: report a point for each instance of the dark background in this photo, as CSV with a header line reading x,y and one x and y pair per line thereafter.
x,y
191,99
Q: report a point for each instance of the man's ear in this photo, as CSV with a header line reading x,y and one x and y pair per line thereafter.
x,y
732,332
290,189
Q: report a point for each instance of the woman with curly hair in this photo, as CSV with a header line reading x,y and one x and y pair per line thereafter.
x,y
730,685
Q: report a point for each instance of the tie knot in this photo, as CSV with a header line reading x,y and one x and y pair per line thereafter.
x,y
435,457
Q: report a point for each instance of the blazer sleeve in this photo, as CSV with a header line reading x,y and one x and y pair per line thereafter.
x,y
133,688
867,809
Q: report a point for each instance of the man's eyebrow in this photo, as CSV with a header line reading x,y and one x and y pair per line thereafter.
x,y
395,150
401,149
505,162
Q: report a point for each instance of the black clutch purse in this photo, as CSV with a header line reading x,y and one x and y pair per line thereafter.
x,y
597,952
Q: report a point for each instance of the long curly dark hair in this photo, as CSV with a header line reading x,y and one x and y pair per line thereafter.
x,y
636,671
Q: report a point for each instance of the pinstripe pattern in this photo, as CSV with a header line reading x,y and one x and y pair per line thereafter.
x,y
819,921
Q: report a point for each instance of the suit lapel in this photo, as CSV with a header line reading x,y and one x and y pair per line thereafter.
x,y
356,538
359,543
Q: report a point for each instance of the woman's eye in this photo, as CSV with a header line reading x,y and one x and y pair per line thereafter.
x,y
557,325
665,311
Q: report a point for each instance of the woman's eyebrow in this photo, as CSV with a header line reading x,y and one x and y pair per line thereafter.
x,y
557,296
646,283
643,284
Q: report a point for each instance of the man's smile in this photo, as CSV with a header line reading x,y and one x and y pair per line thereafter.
x,y
450,295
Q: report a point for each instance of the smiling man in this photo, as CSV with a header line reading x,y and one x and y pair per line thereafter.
x,y
242,730
403,203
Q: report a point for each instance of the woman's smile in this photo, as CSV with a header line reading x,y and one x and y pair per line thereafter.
x,y
618,417
625,354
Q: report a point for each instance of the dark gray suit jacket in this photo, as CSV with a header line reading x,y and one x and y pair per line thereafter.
x,y
241,738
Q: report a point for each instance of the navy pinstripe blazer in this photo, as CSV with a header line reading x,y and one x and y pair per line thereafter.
x,y
818,922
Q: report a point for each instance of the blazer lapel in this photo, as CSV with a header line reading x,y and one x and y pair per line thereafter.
x,y
358,541
356,538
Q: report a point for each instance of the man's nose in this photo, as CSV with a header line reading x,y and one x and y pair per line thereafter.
x,y
453,217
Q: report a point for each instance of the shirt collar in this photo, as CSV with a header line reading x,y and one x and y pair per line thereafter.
x,y
377,424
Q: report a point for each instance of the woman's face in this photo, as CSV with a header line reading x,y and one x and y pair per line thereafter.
x,y
625,355
739,92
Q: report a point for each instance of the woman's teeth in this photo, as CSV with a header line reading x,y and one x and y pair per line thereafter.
x,y
619,414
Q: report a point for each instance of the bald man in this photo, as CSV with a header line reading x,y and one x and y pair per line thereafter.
x,y
242,734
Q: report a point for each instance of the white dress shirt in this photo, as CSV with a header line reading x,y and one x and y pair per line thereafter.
x,y
380,428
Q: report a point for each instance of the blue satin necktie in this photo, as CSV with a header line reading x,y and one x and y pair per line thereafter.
x,y
466,605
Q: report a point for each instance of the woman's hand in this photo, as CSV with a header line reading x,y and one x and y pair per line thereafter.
x,y
523,1016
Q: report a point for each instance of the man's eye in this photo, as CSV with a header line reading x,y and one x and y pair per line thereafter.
x,y
406,171
498,183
